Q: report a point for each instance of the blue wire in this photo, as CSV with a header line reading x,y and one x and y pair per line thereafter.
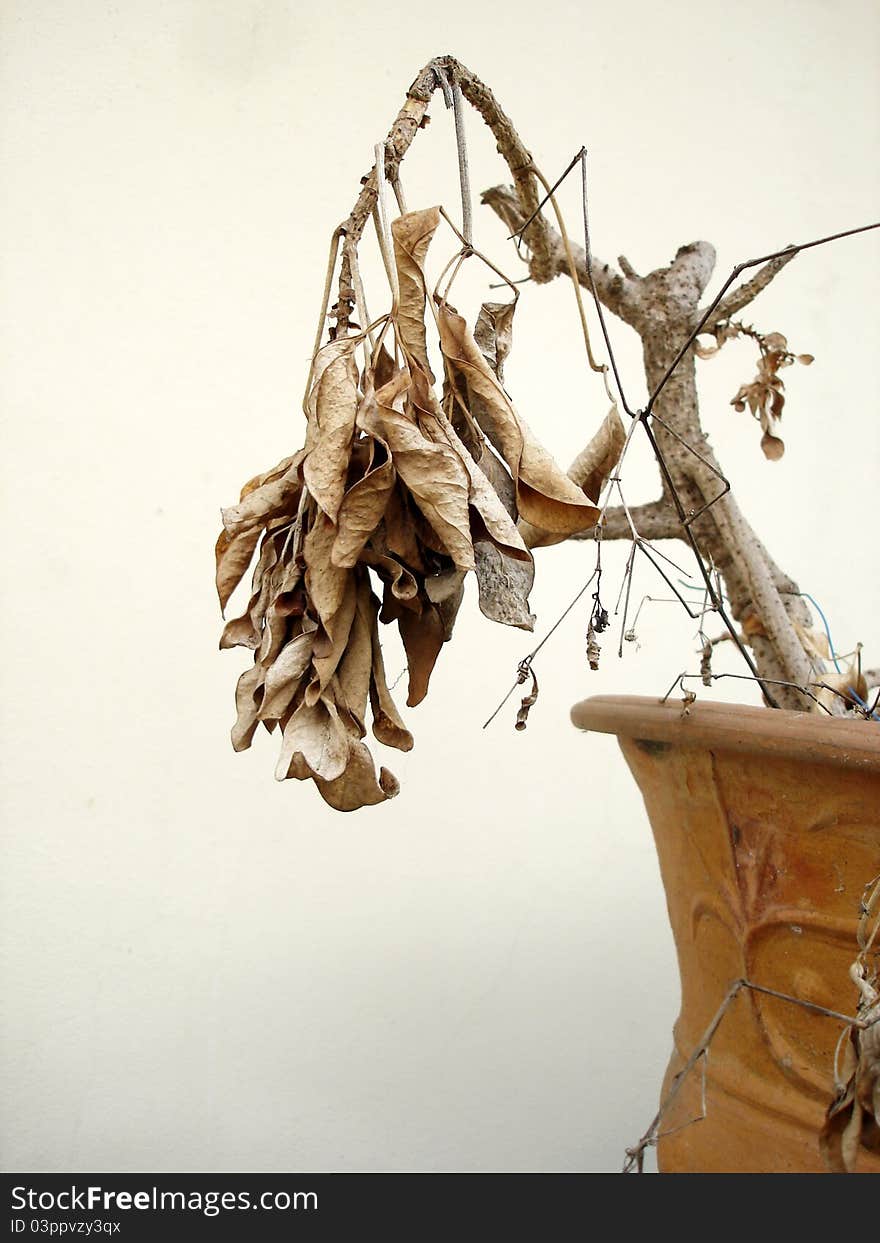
x,y
859,699
850,690
827,631
806,596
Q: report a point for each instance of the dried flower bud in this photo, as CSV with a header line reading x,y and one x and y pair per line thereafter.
x,y
773,446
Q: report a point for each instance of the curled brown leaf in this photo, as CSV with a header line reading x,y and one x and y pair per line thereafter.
x,y
358,786
412,236
332,409
546,497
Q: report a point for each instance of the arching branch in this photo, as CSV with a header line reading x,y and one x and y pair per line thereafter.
x,y
542,244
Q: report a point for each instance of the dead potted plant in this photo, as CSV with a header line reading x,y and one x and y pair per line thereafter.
x,y
765,821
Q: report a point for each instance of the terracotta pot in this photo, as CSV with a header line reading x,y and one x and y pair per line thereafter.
x,y
767,827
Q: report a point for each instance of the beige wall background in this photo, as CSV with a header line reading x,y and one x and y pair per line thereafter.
x,y
206,970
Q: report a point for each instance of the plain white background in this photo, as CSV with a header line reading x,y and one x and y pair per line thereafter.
x,y
207,970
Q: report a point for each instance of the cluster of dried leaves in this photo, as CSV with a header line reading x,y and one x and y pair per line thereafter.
x,y
398,487
853,1118
765,394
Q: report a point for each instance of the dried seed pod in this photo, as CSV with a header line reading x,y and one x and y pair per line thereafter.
x,y
601,620
706,664
527,703
593,648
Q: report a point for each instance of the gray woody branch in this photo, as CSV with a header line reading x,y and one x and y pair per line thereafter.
x,y
548,259
656,520
620,293
748,291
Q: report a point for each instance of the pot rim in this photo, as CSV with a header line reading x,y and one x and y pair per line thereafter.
x,y
734,727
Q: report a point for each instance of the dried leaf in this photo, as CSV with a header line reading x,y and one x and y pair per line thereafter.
x,y
442,587
412,236
355,668
278,495
847,684
285,616
852,1121
315,732
590,470
233,555
499,479
595,464
267,476
395,575
504,586
815,642
361,511
448,609
244,631
358,787
334,400
383,368
388,726
326,583
431,470
240,632
326,662
399,533
454,406
493,333
248,695
545,496
284,676
423,636
485,500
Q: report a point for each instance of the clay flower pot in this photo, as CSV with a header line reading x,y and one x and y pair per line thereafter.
x,y
767,827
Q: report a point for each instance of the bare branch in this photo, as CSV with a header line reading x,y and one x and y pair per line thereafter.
x,y
656,520
412,116
747,292
616,292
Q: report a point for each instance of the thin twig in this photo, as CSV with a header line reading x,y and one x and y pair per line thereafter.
x,y
526,663
588,260
335,240
464,176
650,1137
